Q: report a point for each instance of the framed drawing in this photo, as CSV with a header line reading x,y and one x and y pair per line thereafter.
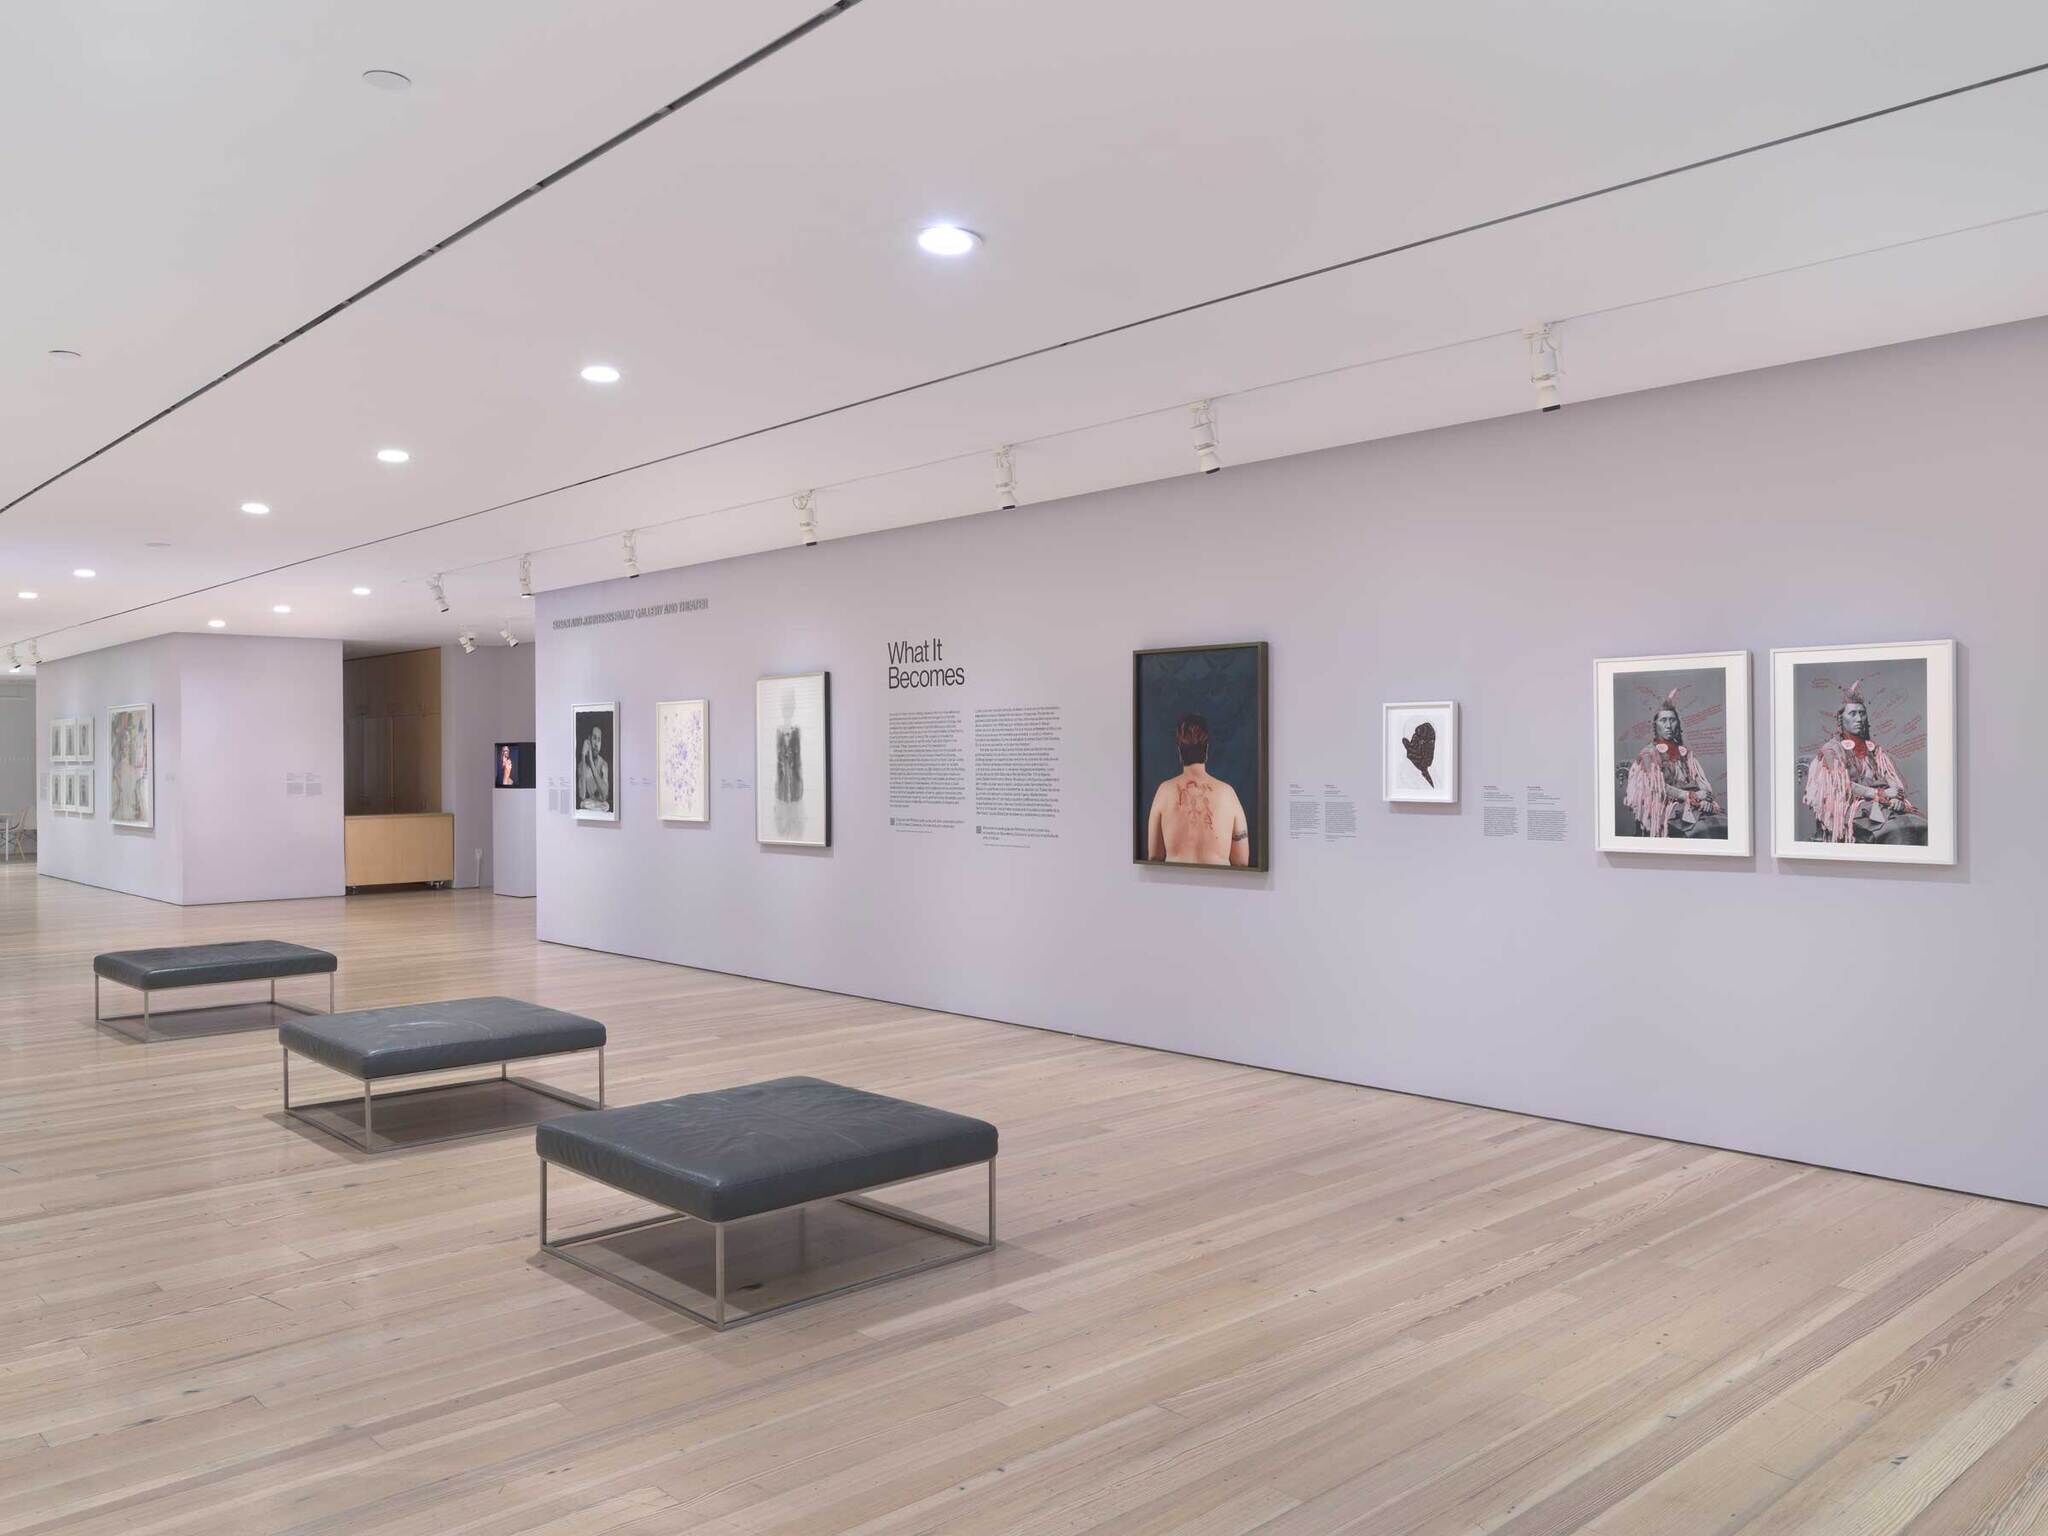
x,y
56,741
131,765
793,760
61,749
681,741
1198,756
81,741
1863,753
81,792
597,762
60,790
1672,755
1419,753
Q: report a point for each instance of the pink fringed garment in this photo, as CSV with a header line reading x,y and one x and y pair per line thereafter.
x,y
1829,787
1647,781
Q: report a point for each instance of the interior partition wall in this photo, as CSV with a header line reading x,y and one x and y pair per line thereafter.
x,y
1879,1018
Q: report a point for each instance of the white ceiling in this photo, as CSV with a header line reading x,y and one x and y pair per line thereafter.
x,y
205,181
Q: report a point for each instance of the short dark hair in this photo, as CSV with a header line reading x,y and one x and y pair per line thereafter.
x,y
1191,736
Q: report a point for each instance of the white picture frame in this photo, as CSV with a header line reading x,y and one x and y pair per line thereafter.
x,y
131,765
81,740
594,788
1709,692
1908,691
1414,770
793,760
81,793
682,760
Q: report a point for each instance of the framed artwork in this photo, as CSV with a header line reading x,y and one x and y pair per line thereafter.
x,y
131,765
60,790
81,740
1672,755
56,741
681,744
793,760
81,791
66,732
1419,753
597,762
1863,753
1198,756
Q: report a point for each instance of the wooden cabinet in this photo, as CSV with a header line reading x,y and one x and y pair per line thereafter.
x,y
398,850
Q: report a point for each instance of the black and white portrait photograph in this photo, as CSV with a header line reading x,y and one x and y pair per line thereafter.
x,y
793,760
1672,755
1198,753
597,762
1419,753
1863,753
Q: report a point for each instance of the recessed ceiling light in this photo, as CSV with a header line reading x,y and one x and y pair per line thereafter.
x,y
256,508
946,240
601,373
27,597
157,544
280,607
392,455
64,355
386,79
360,591
216,623
85,573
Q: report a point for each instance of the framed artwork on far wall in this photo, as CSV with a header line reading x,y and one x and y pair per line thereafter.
x,y
81,791
597,762
1672,755
81,740
793,760
1863,753
1419,753
681,748
1198,756
131,765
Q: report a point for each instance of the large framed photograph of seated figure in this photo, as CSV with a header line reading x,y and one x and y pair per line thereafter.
x,y
1863,753
1672,755
1198,754
597,762
793,760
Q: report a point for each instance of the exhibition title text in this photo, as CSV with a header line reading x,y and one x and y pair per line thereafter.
x,y
915,664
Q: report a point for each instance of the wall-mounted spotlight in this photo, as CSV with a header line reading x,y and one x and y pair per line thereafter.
x,y
467,640
632,556
508,637
526,575
1202,416
806,517
1543,364
13,659
1006,479
440,595
35,656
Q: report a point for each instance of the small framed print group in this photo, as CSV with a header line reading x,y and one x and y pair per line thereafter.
x,y
1862,765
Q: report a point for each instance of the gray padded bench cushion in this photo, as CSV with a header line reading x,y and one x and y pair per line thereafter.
x,y
430,1037
742,1151
205,965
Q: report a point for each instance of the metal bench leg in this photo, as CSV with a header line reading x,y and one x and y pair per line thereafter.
x,y
368,1139
286,1052
600,1077
145,1015
330,991
718,1268
95,997
543,1200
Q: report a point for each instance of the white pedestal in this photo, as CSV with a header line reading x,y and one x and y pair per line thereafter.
x,y
513,823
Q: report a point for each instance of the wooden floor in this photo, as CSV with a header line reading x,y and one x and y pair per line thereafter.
x,y
1226,1300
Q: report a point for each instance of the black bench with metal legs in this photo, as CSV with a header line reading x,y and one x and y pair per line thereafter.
x,y
379,1044
205,965
728,1157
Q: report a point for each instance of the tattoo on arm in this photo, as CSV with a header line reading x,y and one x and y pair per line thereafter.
x,y
1238,837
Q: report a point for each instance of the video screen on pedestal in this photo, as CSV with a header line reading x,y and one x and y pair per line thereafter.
x,y
512,765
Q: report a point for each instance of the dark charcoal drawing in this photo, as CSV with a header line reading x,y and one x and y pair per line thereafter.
x,y
1421,750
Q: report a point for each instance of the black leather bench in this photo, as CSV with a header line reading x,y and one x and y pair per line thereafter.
x,y
205,965
738,1153
376,1044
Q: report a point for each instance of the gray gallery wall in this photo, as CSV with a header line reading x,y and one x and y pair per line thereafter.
x,y
17,746
1882,1019
237,720
486,698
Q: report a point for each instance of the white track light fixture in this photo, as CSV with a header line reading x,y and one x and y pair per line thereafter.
x,y
508,637
467,640
1543,364
1006,479
806,518
526,576
440,595
13,658
632,555
1202,415
35,657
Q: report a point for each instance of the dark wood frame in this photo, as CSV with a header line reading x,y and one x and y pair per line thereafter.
x,y
774,677
1261,851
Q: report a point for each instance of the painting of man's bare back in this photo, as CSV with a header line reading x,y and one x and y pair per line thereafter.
x,y
1199,752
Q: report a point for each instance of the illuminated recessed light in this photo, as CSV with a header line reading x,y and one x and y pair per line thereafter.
x,y
601,373
392,455
27,597
386,79
946,240
360,591
216,623
256,508
85,573
280,607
